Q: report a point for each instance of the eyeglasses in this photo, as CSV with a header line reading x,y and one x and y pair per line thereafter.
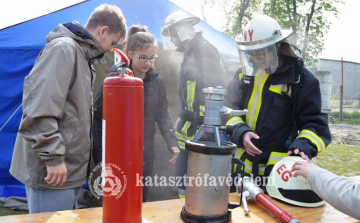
x,y
259,54
145,58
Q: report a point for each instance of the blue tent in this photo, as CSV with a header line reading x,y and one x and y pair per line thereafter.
x,y
21,43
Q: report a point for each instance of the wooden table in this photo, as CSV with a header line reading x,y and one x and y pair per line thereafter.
x,y
168,211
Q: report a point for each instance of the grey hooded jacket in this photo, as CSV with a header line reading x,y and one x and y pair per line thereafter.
x,y
343,193
57,109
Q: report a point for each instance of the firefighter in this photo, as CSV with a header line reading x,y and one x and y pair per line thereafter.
x,y
282,97
201,68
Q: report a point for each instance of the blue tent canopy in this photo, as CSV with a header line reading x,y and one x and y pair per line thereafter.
x,y
21,43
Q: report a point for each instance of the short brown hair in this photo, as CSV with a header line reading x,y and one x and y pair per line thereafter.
x,y
107,15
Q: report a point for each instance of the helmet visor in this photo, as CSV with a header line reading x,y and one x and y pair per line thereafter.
x,y
166,39
261,59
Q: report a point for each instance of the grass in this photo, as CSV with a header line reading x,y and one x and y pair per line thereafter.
x,y
352,118
8,211
341,160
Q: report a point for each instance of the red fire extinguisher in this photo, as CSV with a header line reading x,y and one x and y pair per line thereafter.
x,y
122,145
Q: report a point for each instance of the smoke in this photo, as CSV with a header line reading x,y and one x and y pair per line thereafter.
x,y
168,66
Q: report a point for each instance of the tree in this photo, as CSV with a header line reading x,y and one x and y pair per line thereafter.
x,y
308,19
241,13
196,7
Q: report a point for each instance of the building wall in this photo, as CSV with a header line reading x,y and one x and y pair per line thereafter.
x,y
351,80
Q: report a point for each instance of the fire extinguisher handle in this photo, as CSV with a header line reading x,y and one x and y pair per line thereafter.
x,y
274,209
130,73
122,55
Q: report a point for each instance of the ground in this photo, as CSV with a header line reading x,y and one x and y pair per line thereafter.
x,y
345,134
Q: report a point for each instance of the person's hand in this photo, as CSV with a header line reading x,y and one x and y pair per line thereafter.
x,y
176,152
302,168
176,123
299,153
56,175
248,145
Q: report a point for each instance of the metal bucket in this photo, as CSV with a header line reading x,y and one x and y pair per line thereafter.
x,y
208,179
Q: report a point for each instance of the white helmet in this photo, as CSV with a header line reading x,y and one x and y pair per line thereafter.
x,y
258,39
294,190
180,22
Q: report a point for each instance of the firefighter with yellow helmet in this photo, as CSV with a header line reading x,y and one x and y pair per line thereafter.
x,y
282,97
201,68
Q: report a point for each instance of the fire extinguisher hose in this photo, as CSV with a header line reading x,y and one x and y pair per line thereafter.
x,y
274,209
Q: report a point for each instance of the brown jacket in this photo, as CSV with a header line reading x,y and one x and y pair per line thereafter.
x,y
57,107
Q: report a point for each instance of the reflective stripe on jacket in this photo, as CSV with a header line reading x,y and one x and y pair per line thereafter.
x,y
202,67
269,103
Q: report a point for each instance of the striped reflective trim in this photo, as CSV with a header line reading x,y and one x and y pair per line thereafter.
x,y
181,144
185,128
238,153
254,105
181,193
248,167
190,96
273,159
280,88
234,121
181,139
180,136
201,109
276,157
310,135
248,164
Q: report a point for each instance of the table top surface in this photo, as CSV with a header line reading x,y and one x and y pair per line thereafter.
x,y
168,211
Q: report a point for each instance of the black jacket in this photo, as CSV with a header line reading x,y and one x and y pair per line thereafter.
x,y
274,122
202,65
155,111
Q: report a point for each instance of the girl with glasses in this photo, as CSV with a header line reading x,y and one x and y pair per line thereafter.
x,y
141,48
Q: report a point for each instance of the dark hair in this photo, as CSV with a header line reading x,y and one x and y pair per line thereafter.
x,y
139,38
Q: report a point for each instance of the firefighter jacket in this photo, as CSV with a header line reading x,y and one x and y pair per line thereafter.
x,y
201,68
155,112
57,108
273,112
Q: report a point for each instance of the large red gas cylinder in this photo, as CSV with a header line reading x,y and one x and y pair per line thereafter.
x,y
122,167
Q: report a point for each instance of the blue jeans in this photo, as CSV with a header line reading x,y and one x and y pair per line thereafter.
x,y
52,199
